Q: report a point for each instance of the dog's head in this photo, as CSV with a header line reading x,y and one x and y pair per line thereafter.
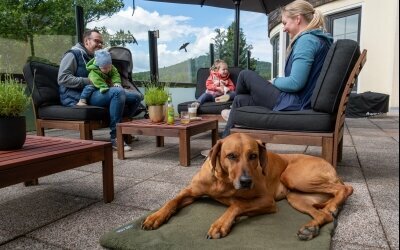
x,y
239,158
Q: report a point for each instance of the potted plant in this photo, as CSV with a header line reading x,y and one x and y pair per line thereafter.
x,y
155,97
13,102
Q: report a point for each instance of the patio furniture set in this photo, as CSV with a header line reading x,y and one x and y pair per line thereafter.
x,y
41,156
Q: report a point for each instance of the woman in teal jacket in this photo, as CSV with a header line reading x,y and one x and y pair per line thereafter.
x,y
306,54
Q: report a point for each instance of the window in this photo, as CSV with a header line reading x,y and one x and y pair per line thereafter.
x,y
275,55
345,25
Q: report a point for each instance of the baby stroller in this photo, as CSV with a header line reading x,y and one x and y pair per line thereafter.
x,y
122,60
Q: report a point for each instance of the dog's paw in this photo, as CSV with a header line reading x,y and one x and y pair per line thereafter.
x,y
307,233
152,222
218,231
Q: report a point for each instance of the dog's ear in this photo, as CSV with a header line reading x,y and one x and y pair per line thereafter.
x,y
214,153
262,155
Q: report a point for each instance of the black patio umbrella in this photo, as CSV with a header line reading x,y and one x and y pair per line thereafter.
x,y
260,6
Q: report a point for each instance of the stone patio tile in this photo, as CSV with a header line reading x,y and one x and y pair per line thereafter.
x,y
286,148
314,151
28,243
359,198
386,123
148,195
359,123
142,169
63,177
375,142
179,175
83,229
349,158
350,174
91,186
34,210
5,236
335,244
347,141
390,222
360,217
367,132
385,193
17,191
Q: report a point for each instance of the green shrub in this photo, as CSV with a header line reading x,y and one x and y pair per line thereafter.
x,y
155,94
13,100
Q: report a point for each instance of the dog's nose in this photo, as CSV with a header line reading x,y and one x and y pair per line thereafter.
x,y
245,181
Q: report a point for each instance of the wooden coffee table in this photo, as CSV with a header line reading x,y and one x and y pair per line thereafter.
x,y
41,156
183,131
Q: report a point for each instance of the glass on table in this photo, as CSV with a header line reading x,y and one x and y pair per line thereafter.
x,y
185,118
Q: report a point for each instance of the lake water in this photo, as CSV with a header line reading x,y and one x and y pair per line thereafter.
x,y
179,95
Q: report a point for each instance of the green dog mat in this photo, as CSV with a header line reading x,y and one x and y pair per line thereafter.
x,y
188,230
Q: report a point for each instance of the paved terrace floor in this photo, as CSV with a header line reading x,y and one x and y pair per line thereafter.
x,y
66,210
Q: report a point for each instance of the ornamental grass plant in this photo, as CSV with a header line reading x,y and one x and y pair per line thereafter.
x,y
155,94
13,99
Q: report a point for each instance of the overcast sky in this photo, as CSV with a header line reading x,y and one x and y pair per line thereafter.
x,y
180,23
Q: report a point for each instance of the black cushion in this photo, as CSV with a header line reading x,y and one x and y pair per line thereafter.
x,y
207,107
41,79
338,64
256,117
76,113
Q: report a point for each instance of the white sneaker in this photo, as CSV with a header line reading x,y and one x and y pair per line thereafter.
x,y
195,105
225,114
126,146
205,152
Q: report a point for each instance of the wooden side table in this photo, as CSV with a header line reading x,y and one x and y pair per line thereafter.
x,y
160,130
41,156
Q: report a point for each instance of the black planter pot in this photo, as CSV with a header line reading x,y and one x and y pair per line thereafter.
x,y
12,132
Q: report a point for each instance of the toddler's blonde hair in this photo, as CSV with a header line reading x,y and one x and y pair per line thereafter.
x,y
217,64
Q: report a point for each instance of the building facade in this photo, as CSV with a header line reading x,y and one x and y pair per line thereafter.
x,y
373,24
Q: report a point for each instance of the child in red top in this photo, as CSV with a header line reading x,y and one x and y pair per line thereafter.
x,y
220,87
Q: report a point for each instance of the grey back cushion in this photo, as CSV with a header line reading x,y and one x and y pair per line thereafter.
x,y
41,79
338,64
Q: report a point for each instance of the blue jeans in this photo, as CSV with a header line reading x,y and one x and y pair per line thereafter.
x,y
87,91
115,99
251,90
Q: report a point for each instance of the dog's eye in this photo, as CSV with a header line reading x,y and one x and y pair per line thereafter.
x,y
231,156
253,156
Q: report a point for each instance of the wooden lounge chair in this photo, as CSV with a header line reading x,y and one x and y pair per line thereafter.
x,y
323,125
41,79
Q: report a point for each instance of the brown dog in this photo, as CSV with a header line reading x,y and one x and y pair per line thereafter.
x,y
241,174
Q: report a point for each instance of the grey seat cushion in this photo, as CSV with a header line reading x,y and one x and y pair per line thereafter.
x,y
76,113
256,117
207,107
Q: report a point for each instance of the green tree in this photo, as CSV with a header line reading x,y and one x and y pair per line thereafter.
x,y
22,19
224,47
120,38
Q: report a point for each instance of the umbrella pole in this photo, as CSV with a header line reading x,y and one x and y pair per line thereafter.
x,y
237,30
